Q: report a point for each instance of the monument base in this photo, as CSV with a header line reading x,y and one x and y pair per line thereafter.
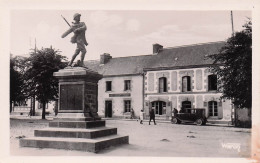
x,y
78,92
91,136
77,125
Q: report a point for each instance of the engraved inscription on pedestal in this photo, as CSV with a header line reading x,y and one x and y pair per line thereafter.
x,y
71,97
78,91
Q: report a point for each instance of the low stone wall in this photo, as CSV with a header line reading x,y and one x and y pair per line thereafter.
x,y
243,117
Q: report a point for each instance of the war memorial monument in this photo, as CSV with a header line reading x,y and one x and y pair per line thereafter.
x,y
77,125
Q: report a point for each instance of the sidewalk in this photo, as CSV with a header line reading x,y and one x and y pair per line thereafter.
x,y
50,117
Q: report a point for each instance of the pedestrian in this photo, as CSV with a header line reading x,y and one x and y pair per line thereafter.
x,y
175,112
141,116
152,116
132,113
30,113
182,110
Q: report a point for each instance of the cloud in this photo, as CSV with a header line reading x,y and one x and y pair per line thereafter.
x,y
103,19
45,35
195,33
132,25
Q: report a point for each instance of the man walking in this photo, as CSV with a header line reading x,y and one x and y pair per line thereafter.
x,y
152,116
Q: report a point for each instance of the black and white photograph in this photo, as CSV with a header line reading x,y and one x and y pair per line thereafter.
x,y
155,84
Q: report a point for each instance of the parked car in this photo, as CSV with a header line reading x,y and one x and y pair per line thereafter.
x,y
196,115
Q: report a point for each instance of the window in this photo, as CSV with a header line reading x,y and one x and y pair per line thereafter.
x,y
213,108
212,82
162,85
127,105
127,85
186,86
108,85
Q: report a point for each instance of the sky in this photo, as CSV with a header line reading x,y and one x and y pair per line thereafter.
x,y
120,33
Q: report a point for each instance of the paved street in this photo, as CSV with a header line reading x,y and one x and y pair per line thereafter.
x,y
163,139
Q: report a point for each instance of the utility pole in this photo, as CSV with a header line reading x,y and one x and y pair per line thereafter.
x,y
35,48
33,99
232,23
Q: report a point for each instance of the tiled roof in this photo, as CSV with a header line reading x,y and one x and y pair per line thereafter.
x,y
182,56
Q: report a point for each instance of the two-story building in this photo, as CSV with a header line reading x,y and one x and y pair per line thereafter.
x,y
177,77
121,88
180,77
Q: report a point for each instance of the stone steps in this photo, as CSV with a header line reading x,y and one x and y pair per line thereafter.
x,y
80,144
75,133
75,119
77,124
68,134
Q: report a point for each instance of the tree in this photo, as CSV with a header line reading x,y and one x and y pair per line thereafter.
x,y
16,82
40,82
235,74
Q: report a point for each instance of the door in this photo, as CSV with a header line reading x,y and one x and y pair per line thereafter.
x,y
160,107
108,109
213,109
186,105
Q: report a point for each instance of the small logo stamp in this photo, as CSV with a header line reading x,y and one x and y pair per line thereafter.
x,y
234,146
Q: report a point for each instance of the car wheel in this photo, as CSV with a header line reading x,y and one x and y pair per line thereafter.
x,y
175,121
199,122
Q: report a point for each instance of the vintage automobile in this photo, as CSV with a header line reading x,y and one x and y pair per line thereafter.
x,y
195,115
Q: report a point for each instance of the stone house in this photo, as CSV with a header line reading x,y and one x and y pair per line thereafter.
x,y
24,107
177,77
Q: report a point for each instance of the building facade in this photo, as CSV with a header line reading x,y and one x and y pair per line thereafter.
x,y
177,77
119,94
184,88
24,107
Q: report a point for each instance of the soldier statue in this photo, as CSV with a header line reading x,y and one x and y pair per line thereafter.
x,y
78,28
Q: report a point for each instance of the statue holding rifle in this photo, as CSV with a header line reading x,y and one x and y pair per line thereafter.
x,y
78,28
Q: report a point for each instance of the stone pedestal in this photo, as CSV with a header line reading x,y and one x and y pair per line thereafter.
x,y
78,92
77,126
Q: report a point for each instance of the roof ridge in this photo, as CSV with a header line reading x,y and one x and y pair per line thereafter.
x,y
181,46
133,56
92,60
190,45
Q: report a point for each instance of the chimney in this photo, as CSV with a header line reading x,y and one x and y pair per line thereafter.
x,y
104,58
157,48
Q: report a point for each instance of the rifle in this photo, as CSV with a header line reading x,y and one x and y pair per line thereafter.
x,y
71,29
66,21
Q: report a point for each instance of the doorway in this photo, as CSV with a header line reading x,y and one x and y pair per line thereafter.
x,y
108,109
186,105
160,107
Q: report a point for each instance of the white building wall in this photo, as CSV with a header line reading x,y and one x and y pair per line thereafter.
x,y
136,95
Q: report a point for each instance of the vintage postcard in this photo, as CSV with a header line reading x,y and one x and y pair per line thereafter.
x,y
128,80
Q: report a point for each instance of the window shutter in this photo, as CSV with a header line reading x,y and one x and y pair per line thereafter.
x,y
169,103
